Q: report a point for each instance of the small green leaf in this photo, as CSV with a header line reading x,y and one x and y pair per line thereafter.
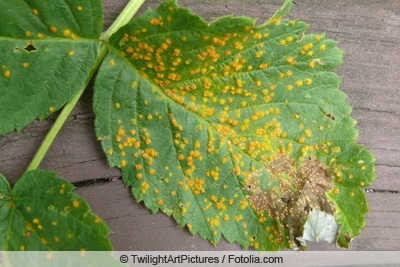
x,y
42,213
47,51
235,130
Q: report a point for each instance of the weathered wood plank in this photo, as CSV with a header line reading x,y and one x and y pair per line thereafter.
x,y
368,32
382,227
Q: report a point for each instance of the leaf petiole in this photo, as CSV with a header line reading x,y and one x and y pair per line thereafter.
x,y
126,15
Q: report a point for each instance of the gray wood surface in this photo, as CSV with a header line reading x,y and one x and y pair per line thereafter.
x,y
369,33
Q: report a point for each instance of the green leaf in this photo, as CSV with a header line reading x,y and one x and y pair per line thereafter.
x,y
42,213
235,130
47,52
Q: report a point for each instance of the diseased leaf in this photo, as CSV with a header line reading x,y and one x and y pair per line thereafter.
x,y
47,50
41,213
235,130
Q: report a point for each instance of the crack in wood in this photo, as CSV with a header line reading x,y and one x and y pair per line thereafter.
x,y
370,190
96,181
388,165
376,110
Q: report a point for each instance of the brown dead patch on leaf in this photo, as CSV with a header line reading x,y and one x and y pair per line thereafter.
x,y
301,188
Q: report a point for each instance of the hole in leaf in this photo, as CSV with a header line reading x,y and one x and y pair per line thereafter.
x,y
247,187
285,200
330,116
307,207
30,47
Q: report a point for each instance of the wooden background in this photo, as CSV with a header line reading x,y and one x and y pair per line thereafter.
x,y
368,32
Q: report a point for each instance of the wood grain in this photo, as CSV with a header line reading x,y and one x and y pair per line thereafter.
x,y
368,32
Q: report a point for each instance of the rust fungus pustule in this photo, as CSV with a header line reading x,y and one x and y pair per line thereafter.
x,y
6,73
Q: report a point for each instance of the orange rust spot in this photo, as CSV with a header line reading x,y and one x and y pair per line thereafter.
x,y
290,60
336,191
